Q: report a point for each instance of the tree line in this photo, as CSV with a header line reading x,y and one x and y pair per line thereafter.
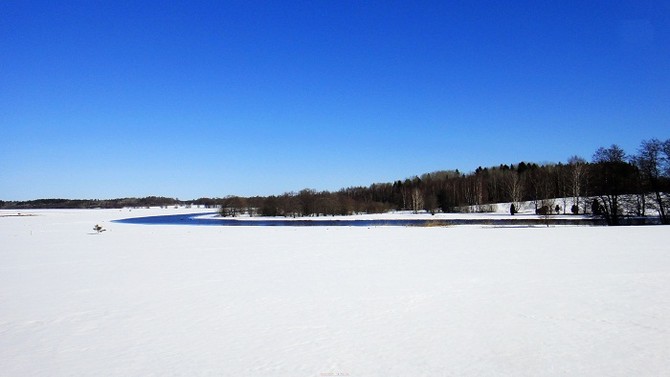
x,y
150,201
612,184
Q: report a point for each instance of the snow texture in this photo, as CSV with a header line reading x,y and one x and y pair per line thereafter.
x,y
333,301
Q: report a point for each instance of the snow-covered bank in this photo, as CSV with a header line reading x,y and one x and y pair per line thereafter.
x,y
213,301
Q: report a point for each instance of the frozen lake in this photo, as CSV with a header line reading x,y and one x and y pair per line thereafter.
x,y
324,301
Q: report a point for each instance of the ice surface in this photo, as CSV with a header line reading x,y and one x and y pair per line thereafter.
x,y
288,301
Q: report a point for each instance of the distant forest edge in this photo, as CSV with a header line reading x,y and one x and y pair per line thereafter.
x,y
612,185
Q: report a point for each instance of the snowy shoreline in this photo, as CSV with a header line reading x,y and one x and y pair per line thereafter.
x,y
195,219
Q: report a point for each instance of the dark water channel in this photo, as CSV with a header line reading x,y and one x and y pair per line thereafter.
x,y
196,219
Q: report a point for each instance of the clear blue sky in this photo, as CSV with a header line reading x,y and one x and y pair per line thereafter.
x,y
128,98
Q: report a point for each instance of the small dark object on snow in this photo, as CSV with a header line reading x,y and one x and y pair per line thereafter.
x,y
544,210
98,228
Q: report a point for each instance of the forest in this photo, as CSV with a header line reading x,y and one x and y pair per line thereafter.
x,y
612,184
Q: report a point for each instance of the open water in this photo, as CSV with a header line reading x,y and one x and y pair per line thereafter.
x,y
203,219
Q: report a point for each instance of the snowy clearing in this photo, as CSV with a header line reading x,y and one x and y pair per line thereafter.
x,y
333,301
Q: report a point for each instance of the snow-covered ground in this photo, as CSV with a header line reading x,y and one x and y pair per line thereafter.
x,y
141,300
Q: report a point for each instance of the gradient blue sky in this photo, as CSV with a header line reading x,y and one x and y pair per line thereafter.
x,y
112,99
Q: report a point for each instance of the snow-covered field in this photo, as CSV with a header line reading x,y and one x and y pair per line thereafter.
x,y
141,300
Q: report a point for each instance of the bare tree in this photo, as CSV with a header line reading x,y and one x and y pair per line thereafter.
x,y
563,184
514,188
612,178
417,200
533,188
577,175
653,161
